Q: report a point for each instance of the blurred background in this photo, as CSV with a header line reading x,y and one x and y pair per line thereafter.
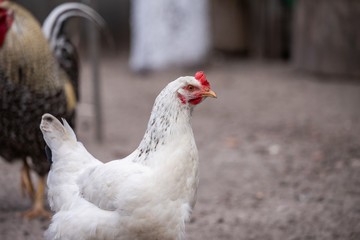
x,y
279,148
321,37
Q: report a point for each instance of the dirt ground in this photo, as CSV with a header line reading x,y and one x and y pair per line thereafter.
x,y
279,150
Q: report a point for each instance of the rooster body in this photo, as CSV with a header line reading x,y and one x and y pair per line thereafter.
x,y
31,82
147,195
37,74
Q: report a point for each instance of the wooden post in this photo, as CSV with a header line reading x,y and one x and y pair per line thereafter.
x,y
326,36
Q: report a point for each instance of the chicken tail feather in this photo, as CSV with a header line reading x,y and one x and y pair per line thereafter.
x,y
56,134
48,154
54,23
69,130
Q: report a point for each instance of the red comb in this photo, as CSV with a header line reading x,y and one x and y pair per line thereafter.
x,y
200,76
6,19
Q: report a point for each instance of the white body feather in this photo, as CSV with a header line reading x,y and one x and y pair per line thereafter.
x,y
147,195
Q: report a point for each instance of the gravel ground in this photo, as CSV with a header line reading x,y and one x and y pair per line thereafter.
x,y
279,150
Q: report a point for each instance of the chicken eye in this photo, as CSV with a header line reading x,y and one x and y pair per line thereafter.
x,y
190,88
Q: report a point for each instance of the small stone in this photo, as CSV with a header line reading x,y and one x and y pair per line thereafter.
x,y
317,156
260,195
355,163
274,149
339,165
232,142
303,197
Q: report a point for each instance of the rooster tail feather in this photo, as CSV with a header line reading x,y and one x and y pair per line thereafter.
x,y
56,134
53,24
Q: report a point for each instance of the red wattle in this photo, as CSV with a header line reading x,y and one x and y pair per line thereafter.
x,y
195,100
182,98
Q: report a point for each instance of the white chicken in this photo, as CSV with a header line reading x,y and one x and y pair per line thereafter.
x,y
149,194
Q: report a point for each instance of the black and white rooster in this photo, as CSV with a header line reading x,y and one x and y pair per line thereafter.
x,y
39,72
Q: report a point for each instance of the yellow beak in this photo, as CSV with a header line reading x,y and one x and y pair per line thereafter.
x,y
209,93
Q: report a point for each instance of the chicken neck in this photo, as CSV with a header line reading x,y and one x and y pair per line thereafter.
x,y
169,146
